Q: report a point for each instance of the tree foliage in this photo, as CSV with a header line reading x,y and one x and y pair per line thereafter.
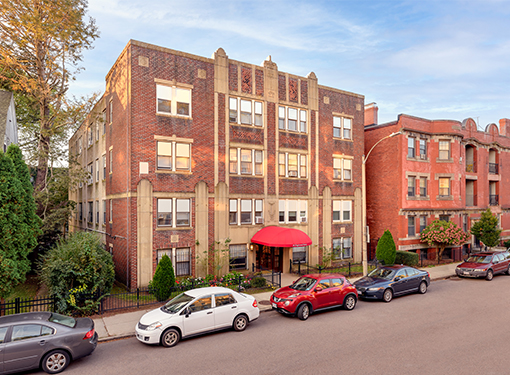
x,y
441,234
41,44
386,251
164,279
486,229
78,262
19,226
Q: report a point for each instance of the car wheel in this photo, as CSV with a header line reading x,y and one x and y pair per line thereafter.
x,y
349,303
423,287
508,271
303,311
55,361
490,275
240,323
388,295
170,338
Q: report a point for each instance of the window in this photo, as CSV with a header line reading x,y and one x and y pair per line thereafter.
x,y
97,170
97,129
423,149
444,150
111,210
91,212
411,226
110,155
103,120
444,186
3,332
342,127
90,169
410,147
90,136
250,112
110,111
410,186
292,119
292,211
104,167
79,145
180,258
342,248
423,223
292,165
299,254
104,211
423,186
80,211
28,331
251,211
444,218
97,212
173,212
224,299
246,162
342,169
238,257
342,210
201,304
465,223
173,100
183,213
164,212
174,156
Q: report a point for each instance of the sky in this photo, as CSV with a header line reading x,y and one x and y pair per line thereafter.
x,y
446,59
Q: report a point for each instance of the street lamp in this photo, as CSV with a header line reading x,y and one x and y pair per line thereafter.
x,y
364,187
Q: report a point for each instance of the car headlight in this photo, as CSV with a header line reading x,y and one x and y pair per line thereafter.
x,y
375,289
295,295
153,326
480,269
287,303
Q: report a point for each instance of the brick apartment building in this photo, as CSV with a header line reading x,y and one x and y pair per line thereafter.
x,y
436,169
197,154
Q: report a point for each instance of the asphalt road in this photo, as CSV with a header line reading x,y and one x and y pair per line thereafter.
x,y
457,327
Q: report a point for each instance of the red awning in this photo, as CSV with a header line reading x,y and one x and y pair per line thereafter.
x,y
281,237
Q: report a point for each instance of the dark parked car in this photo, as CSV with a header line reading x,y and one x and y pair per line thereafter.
x,y
387,282
43,339
485,264
312,293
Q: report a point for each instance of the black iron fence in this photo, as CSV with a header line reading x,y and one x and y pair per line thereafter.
x,y
346,268
272,277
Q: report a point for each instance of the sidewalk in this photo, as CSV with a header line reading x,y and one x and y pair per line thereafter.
x,y
123,325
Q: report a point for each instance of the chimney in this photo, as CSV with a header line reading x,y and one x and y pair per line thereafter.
x,y
371,110
504,127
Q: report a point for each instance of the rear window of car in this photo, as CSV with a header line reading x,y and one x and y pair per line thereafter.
x,y
62,319
480,259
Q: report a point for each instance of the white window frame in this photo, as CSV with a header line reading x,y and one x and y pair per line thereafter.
x,y
176,95
238,249
177,205
239,206
236,162
90,136
341,168
104,211
104,166
339,245
342,209
173,254
238,113
299,206
286,116
302,165
90,169
176,149
342,125
97,170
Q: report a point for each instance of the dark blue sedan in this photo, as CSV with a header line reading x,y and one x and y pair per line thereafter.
x,y
387,282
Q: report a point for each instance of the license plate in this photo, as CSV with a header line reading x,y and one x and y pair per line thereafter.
x,y
274,305
466,273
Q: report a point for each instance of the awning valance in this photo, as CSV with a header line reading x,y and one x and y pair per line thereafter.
x,y
281,237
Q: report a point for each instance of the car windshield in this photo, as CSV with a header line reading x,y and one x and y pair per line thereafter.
x,y
176,304
62,319
382,273
304,283
479,259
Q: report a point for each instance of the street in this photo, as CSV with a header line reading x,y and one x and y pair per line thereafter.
x,y
458,326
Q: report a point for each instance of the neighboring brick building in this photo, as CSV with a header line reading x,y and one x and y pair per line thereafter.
x,y
436,169
202,153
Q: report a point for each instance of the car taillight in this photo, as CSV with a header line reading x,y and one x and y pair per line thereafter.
x,y
254,303
89,334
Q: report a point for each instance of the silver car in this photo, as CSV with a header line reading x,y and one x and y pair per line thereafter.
x,y
43,340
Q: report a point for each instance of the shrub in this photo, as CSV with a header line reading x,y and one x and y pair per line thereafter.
x,y
408,258
386,249
78,264
164,279
506,244
258,282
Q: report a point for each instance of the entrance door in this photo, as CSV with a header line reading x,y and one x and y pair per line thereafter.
x,y
270,258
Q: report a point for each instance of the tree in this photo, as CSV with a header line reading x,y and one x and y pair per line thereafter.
x,y
78,263
486,229
164,279
16,234
441,234
386,250
41,43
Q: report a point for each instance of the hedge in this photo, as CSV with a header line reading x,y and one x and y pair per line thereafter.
x,y
408,258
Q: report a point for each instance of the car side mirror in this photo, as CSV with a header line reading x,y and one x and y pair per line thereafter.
x,y
187,311
318,289
398,278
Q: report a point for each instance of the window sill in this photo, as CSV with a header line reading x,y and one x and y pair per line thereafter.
x,y
246,175
163,171
444,198
162,229
417,159
418,198
174,116
342,222
251,126
340,180
294,223
294,178
444,160
343,139
293,131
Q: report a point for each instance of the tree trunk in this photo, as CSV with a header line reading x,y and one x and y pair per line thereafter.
x,y
440,253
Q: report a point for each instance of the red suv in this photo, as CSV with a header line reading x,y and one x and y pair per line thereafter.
x,y
311,293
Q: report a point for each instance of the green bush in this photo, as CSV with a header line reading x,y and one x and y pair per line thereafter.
x,y
258,282
78,272
506,244
163,280
386,249
408,258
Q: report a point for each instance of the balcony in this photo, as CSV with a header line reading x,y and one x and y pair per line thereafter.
x,y
493,200
470,200
493,168
470,166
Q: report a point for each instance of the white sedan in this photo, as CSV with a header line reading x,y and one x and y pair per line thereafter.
x,y
195,312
